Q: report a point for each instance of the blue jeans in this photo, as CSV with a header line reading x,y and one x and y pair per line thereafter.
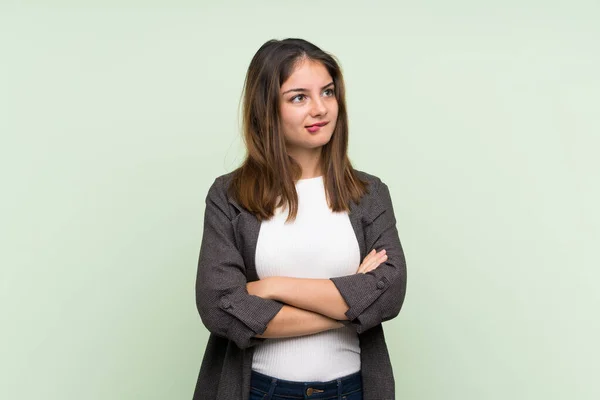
x,y
263,387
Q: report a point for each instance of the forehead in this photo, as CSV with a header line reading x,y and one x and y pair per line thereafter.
x,y
307,74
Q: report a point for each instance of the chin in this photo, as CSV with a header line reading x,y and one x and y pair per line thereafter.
x,y
321,142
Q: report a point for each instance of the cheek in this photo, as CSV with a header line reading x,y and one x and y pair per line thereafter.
x,y
333,107
292,117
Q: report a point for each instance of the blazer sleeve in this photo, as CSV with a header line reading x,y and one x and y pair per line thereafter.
x,y
225,307
377,296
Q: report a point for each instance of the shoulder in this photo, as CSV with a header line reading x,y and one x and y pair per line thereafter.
x,y
222,182
376,187
377,199
219,195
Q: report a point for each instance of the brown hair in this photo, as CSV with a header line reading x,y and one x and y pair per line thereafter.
x,y
266,178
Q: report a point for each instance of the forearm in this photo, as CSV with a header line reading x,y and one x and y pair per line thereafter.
x,y
291,322
318,295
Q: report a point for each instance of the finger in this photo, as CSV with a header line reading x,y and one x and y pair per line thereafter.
x,y
375,265
374,258
375,253
371,261
371,264
365,266
368,259
370,255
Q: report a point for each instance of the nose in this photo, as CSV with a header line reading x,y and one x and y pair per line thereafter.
x,y
318,107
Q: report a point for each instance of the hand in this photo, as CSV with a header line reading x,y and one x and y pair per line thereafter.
x,y
260,288
372,261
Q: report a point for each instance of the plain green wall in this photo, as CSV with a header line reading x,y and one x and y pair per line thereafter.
x,y
483,119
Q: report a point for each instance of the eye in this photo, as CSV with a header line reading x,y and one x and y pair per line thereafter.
x,y
329,92
297,98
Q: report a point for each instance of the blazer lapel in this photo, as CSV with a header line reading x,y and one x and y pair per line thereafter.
x,y
246,227
356,219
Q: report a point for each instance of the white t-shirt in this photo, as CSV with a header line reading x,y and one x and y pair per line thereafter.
x,y
318,244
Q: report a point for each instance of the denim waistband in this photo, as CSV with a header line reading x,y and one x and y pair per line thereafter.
x,y
306,390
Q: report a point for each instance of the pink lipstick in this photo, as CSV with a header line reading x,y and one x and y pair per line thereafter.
x,y
315,127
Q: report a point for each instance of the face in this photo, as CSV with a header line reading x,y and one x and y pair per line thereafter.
x,y
308,98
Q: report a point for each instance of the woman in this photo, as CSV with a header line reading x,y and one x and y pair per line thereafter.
x,y
291,309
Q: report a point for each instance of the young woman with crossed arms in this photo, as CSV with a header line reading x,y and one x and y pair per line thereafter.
x,y
293,311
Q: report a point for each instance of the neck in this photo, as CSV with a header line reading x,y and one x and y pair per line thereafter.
x,y
310,162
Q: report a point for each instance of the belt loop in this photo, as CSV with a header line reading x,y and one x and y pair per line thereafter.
x,y
339,385
272,388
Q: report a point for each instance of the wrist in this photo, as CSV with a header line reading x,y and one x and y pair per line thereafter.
x,y
270,288
261,288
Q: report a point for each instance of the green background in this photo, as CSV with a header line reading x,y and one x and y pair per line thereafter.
x,y
483,119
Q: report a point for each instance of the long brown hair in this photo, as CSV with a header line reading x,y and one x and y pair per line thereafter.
x,y
266,179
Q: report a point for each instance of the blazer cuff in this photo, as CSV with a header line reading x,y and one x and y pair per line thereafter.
x,y
360,291
252,313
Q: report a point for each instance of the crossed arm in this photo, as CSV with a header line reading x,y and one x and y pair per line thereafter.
x,y
311,305
246,313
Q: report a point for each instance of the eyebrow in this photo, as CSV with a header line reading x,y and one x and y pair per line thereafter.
x,y
305,90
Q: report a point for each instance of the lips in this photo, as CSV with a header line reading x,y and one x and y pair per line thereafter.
x,y
319,124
